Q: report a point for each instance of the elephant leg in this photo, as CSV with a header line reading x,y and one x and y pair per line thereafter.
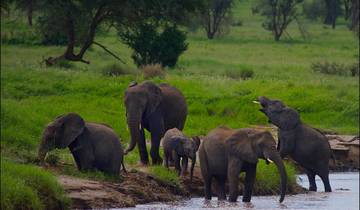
x,y
184,165
157,131
221,188
166,159
234,169
207,183
312,183
324,175
249,182
142,148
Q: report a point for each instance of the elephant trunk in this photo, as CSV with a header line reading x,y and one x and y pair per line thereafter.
x,y
193,161
44,148
134,126
275,157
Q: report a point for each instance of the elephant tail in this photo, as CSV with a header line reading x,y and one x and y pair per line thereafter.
x,y
204,164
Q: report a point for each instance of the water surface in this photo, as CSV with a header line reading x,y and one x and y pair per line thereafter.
x,y
345,196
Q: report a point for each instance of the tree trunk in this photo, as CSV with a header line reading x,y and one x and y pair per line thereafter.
x,y
30,14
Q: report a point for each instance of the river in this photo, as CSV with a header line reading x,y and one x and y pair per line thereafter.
x,y
345,196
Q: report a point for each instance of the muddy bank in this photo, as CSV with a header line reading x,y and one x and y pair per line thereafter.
x,y
138,187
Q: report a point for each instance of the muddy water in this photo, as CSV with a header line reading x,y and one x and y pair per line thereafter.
x,y
345,196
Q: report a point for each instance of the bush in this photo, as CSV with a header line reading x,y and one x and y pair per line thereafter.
x,y
153,70
115,70
335,68
28,187
244,73
50,31
237,23
151,46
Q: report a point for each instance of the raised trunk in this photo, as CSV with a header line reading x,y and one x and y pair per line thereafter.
x,y
274,156
134,127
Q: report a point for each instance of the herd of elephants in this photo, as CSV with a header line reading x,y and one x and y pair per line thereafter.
x,y
223,152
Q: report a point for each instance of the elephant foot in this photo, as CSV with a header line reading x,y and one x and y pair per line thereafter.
x,y
246,199
312,189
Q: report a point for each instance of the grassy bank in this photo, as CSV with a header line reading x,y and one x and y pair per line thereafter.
x,y
33,95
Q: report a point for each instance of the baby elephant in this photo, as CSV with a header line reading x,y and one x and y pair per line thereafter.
x,y
93,146
178,146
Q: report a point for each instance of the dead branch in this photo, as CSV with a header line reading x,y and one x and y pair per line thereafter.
x,y
108,51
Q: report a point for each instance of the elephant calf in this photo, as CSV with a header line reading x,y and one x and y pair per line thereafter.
x,y
93,146
225,152
306,145
178,146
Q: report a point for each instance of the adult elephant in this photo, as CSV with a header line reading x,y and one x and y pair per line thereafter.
x,y
306,145
93,145
225,152
156,108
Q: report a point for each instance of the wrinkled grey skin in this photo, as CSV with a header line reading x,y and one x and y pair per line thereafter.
x,y
180,148
304,144
225,152
156,108
93,146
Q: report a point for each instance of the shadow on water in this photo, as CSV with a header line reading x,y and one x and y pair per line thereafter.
x,y
345,196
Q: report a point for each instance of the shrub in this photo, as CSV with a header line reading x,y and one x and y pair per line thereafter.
x,y
28,187
115,70
246,74
153,70
50,31
335,68
237,23
151,46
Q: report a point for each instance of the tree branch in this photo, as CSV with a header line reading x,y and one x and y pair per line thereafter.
x,y
108,51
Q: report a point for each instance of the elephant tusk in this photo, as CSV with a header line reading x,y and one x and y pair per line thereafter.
x,y
140,126
256,102
270,161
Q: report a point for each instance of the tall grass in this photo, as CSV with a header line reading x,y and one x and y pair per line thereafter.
x,y
28,187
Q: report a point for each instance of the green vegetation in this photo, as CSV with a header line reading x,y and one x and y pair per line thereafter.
x,y
165,174
29,187
269,178
33,95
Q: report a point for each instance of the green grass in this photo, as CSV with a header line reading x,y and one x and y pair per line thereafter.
x,y
33,95
29,187
268,178
165,174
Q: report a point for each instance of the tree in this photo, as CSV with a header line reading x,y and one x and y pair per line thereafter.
x,y
80,19
333,10
347,8
354,25
215,16
279,14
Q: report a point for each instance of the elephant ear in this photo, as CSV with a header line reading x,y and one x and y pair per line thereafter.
x,y
239,145
71,126
154,97
289,119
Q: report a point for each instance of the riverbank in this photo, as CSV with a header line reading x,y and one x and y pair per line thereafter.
x,y
138,187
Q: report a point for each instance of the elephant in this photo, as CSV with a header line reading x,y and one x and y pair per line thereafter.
x,y
157,108
93,145
224,153
304,144
179,146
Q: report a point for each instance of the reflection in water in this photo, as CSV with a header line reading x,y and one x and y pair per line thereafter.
x,y
345,196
